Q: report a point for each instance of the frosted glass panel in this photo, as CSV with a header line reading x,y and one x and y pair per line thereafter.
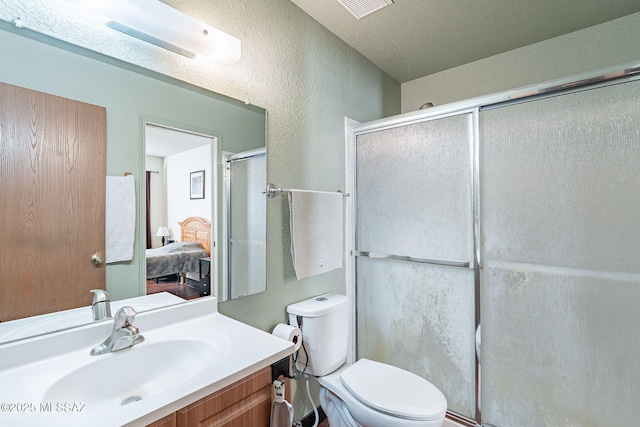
x,y
414,198
560,250
560,347
560,180
413,187
420,318
247,231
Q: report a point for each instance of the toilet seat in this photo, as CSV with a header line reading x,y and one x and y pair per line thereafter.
x,y
394,391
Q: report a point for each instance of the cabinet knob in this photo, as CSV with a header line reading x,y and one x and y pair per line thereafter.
x,y
97,258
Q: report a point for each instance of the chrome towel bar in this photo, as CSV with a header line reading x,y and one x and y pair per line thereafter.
x,y
272,191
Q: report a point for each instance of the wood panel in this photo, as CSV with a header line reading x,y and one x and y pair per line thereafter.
x,y
52,182
244,403
168,421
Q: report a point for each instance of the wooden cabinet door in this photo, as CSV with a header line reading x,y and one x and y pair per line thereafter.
x,y
244,403
52,210
168,421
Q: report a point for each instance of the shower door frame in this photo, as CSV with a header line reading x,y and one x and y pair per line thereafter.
x,y
620,73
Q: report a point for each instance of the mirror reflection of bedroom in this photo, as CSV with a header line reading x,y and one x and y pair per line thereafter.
x,y
196,192
176,261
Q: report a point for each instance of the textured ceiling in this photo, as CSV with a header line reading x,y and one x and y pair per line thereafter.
x,y
414,38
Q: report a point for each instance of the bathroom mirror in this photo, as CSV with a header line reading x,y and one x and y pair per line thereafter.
x,y
133,95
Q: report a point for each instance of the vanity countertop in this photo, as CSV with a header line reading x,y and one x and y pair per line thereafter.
x,y
37,367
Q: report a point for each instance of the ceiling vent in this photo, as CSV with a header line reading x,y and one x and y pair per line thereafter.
x,y
361,8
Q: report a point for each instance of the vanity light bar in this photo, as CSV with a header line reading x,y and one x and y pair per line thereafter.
x,y
157,23
123,28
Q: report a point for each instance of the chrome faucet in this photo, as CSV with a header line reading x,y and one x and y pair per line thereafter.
x,y
124,334
101,305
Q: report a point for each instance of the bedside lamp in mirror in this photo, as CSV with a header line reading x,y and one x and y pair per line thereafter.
x,y
163,232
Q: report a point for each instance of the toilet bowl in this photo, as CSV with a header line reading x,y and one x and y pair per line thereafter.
x,y
366,393
376,394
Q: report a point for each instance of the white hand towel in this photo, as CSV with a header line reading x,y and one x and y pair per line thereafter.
x,y
120,218
281,414
281,410
316,231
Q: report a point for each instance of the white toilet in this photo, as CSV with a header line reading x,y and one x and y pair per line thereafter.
x,y
367,393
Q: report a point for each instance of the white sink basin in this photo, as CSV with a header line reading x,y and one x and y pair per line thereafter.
x,y
131,375
190,351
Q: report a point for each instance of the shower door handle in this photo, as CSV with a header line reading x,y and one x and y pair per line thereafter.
x,y
420,260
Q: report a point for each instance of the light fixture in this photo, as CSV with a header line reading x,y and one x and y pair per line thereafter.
x,y
163,232
166,27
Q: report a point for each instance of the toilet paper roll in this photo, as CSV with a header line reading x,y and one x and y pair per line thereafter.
x,y
289,333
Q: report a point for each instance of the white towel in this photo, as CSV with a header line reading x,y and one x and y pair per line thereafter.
x,y
281,414
120,218
316,231
281,410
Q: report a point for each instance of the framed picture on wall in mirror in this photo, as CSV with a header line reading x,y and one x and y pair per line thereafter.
x,y
197,185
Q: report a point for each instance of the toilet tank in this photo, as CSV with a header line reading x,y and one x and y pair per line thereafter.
x,y
324,322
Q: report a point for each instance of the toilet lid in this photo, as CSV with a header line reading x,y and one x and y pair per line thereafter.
x,y
394,391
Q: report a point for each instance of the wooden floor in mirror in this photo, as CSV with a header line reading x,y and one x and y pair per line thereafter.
x,y
172,285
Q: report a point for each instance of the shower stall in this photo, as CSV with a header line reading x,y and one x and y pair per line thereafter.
x,y
520,212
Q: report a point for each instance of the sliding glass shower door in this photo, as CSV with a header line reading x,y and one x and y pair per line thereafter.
x,y
538,235
560,198
415,297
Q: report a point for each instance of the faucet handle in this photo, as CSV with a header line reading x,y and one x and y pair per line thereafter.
x,y
124,317
124,334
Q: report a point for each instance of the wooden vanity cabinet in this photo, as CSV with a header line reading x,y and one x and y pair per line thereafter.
x,y
246,402
168,421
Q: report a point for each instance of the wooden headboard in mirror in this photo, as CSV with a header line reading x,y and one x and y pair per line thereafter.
x,y
196,229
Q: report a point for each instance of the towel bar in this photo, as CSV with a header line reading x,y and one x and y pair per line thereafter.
x,y
272,191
